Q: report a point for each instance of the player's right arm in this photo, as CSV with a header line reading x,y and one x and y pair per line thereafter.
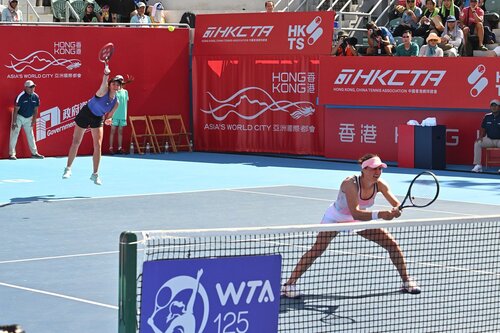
x,y
103,88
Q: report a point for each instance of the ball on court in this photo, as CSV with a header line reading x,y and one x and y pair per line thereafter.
x,y
171,28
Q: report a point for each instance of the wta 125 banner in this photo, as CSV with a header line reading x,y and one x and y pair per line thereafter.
x,y
216,295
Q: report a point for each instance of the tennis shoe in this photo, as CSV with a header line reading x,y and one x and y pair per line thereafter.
x,y
37,155
411,287
95,178
67,173
290,291
477,168
12,157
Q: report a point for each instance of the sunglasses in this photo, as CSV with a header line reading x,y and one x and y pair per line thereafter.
x,y
433,40
406,36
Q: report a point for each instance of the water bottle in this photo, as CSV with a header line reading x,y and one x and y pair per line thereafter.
x,y
190,145
148,148
131,150
166,147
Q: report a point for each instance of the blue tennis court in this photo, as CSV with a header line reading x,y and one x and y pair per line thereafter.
x,y
59,259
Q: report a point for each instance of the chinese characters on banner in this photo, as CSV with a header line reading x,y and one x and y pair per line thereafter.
x,y
367,99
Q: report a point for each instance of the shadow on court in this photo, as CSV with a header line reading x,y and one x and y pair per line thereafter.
x,y
37,198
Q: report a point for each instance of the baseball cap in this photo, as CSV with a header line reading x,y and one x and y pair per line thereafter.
x,y
451,19
373,163
141,4
342,33
29,83
118,78
495,101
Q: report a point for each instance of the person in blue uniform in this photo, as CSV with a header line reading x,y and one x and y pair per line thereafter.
x,y
24,115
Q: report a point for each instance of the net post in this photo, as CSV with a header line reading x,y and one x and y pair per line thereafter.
x,y
127,320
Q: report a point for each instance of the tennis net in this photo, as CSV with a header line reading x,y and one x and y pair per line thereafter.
x,y
352,287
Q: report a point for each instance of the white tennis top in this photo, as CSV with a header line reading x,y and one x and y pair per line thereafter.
x,y
338,211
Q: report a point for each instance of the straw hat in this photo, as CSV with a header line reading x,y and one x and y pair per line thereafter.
x,y
433,36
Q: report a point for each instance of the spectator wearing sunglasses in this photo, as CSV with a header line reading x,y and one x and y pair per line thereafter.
x,y
410,19
472,18
452,37
407,48
12,13
431,49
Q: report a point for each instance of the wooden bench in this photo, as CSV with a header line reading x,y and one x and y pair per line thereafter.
x,y
491,156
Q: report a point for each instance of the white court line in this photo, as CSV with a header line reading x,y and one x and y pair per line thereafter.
x,y
147,194
330,200
71,298
58,257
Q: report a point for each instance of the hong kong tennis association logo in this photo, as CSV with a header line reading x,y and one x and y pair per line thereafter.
x,y
477,80
300,35
181,305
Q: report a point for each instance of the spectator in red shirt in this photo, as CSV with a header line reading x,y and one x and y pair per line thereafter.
x,y
472,18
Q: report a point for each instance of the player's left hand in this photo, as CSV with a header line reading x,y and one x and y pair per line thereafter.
x,y
108,121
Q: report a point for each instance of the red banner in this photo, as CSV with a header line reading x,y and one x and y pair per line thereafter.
x,y
63,62
262,33
257,104
354,132
451,83
356,90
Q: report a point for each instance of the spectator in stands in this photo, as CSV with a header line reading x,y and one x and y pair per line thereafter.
x,y
157,13
90,15
189,18
12,13
472,18
119,119
24,115
345,46
489,134
409,20
452,38
106,17
141,17
269,5
426,23
407,48
380,40
431,49
448,9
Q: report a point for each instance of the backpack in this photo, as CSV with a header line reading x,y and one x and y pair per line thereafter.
x,y
189,18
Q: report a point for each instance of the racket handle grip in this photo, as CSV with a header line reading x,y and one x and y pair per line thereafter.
x,y
106,70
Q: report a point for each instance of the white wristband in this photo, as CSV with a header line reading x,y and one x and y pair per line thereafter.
x,y
374,214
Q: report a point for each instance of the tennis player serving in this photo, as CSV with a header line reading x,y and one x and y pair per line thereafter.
x,y
97,112
356,196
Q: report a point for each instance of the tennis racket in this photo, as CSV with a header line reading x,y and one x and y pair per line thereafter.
x,y
105,54
423,191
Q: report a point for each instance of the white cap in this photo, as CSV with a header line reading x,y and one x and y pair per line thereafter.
x,y
141,4
495,101
29,83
